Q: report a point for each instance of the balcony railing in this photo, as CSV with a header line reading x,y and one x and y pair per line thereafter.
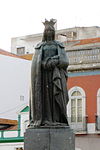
x,y
84,56
10,136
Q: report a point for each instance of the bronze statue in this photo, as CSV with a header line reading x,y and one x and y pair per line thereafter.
x,y
49,95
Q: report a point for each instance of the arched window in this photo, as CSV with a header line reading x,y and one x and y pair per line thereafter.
x,y
76,106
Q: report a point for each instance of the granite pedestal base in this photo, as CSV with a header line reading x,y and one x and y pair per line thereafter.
x,y
53,138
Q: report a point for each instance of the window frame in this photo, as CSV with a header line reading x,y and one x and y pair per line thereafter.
x,y
19,50
83,97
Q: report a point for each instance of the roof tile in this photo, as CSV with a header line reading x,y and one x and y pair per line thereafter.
x,y
3,52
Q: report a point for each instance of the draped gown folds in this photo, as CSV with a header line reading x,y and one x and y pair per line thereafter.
x,y
49,95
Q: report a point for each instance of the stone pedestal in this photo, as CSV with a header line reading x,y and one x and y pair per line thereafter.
x,y
52,138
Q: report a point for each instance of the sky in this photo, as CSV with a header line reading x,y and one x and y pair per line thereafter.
x,y
25,17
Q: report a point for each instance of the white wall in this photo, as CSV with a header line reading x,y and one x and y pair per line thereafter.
x,y
8,134
14,81
10,146
24,117
25,41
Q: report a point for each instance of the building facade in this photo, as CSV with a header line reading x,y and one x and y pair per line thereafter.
x,y
14,84
83,108
26,44
14,139
82,47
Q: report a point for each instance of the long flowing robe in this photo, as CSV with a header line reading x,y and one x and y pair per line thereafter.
x,y
39,112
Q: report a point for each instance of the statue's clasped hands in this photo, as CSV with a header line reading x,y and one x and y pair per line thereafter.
x,y
50,62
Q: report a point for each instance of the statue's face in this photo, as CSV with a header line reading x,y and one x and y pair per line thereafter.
x,y
49,33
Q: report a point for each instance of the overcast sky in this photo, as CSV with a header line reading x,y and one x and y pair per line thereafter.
x,y
24,17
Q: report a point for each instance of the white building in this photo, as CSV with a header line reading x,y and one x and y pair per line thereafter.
x,y
25,44
14,139
14,84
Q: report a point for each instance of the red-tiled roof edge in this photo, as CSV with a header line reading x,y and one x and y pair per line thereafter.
x,y
85,41
8,121
6,53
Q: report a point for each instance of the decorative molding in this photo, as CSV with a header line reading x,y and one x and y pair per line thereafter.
x,y
83,96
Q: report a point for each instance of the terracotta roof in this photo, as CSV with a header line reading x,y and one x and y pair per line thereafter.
x,y
8,121
3,52
27,56
88,41
84,41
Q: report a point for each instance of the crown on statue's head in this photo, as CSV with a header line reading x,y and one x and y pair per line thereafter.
x,y
49,23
